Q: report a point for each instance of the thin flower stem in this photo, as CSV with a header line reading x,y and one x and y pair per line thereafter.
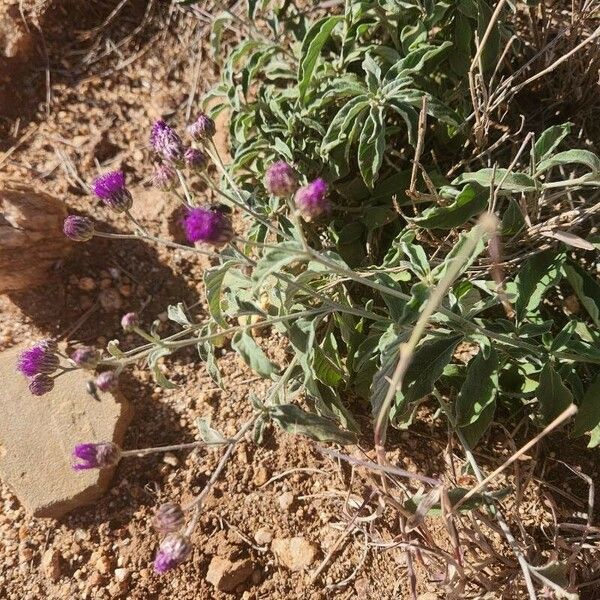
x,y
158,449
147,336
186,192
143,231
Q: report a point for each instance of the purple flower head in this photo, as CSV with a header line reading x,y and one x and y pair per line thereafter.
x,y
37,359
110,188
79,229
129,321
169,518
281,179
95,456
203,128
86,357
195,159
41,384
106,381
209,226
164,177
173,550
166,142
311,200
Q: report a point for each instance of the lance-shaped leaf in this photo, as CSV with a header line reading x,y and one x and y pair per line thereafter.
x,y
371,146
293,419
587,290
588,416
244,344
549,141
581,157
501,178
552,394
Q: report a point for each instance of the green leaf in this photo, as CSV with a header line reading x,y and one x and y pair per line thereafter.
x,y
294,420
177,313
537,275
371,146
455,495
313,42
512,219
468,203
511,182
340,126
243,343
274,259
476,402
213,283
582,157
207,433
549,141
552,394
588,416
587,290
159,376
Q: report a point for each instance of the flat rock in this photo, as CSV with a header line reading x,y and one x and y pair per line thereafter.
x,y
37,436
295,554
226,575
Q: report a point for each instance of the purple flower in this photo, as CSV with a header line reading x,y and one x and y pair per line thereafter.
x,y
195,159
169,518
164,177
173,550
106,381
37,359
208,226
129,321
281,179
110,188
79,229
311,200
95,456
41,384
203,128
166,142
86,357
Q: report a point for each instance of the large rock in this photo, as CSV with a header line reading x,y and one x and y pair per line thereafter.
x,y
38,433
31,237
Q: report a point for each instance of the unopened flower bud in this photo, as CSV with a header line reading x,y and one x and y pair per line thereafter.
x,y
281,180
41,384
110,188
79,229
169,518
174,550
203,128
129,321
106,381
86,357
95,456
166,142
311,200
209,226
195,159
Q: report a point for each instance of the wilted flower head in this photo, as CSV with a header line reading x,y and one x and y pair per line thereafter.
x,y
311,200
164,176
281,179
106,381
110,188
173,550
37,359
41,384
195,159
209,226
129,321
166,142
203,128
95,456
79,229
169,518
86,357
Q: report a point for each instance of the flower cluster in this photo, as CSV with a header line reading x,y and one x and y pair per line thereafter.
x,y
38,363
95,456
209,226
111,189
281,179
311,200
173,550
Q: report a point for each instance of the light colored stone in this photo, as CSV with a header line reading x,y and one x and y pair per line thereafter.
x,y
121,574
263,536
50,564
37,436
226,575
295,554
31,238
285,501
